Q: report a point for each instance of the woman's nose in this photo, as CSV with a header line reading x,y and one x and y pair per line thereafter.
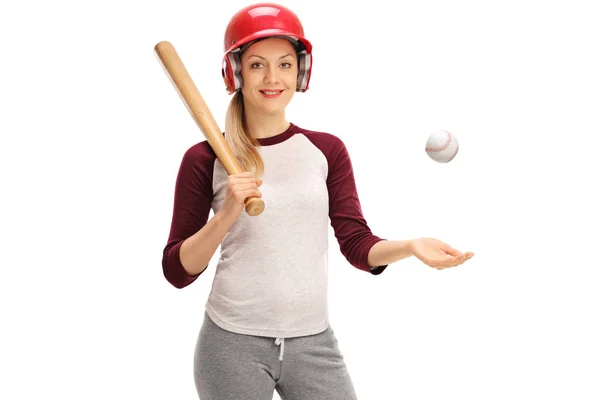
x,y
271,75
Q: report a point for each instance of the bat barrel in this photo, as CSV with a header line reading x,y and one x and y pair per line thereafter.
x,y
191,97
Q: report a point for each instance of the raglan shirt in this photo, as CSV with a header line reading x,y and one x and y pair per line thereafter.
x,y
271,278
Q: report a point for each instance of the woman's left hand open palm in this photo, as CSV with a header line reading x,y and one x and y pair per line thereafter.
x,y
438,254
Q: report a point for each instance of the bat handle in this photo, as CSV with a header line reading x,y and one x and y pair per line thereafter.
x,y
254,206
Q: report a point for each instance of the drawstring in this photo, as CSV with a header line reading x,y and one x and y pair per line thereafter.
x,y
280,342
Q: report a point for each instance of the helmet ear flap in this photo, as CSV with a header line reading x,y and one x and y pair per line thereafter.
x,y
304,71
231,72
226,79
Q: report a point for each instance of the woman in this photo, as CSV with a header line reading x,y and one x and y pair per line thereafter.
x,y
266,319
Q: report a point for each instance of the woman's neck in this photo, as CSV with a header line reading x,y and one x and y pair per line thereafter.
x,y
264,126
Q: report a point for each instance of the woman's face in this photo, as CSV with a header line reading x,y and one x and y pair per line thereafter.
x,y
269,73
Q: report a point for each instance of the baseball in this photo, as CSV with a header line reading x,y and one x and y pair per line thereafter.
x,y
442,146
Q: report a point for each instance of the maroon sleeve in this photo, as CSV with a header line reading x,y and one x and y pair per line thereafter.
x,y
191,208
350,226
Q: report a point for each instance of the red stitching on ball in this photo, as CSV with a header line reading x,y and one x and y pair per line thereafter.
x,y
453,155
442,147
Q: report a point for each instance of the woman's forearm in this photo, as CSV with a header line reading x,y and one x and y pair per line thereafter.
x,y
197,250
386,252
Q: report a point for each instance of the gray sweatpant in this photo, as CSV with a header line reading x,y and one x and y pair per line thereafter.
x,y
232,366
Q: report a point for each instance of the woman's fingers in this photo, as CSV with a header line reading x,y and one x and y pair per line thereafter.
x,y
238,186
453,261
243,186
451,250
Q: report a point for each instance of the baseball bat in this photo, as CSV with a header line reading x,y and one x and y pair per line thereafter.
x,y
191,97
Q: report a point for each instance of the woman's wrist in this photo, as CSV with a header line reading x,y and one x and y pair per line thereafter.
x,y
386,252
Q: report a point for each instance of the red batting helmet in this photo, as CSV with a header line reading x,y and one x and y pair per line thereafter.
x,y
260,21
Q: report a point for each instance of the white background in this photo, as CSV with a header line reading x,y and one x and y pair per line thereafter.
x,y
93,134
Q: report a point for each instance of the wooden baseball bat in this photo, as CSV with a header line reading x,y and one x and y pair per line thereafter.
x,y
187,90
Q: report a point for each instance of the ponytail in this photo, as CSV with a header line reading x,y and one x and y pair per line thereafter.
x,y
244,147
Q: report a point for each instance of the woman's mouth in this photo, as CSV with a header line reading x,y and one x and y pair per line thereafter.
x,y
270,94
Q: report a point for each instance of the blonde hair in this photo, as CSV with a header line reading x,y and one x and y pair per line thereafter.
x,y
244,147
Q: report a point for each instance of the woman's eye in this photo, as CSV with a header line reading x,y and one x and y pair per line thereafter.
x,y
285,65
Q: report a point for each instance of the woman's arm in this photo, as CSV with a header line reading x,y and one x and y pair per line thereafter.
x,y
197,250
389,251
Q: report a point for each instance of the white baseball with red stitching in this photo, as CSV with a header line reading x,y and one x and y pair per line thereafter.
x,y
442,146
